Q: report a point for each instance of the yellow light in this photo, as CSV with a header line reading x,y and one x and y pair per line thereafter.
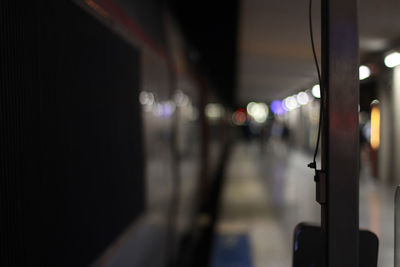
x,y
214,111
375,125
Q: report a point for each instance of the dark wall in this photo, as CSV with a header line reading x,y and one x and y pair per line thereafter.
x,y
149,16
71,155
210,29
368,92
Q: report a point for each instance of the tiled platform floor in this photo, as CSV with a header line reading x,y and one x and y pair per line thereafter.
x,y
267,193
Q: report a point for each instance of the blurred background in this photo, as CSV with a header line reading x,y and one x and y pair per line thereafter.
x,y
178,133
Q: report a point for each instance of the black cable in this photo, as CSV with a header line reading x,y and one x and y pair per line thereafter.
x,y
313,164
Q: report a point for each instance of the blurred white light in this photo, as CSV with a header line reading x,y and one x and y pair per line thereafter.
x,y
375,102
214,111
143,97
315,91
364,72
302,98
290,103
392,60
258,111
181,99
284,105
249,107
146,98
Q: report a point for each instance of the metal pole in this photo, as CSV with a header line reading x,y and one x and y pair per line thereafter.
x,y
340,148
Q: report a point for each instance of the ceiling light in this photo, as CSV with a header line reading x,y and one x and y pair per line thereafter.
x,y
302,98
315,91
258,111
290,103
392,60
364,72
214,111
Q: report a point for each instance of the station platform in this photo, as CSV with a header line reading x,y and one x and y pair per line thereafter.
x,y
268,191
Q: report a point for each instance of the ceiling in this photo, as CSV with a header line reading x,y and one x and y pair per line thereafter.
x,y
210,30
275,56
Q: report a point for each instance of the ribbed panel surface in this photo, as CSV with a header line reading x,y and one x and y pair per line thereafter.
x,y
15,80
70,141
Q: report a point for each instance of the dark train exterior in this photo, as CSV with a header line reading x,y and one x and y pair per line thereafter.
x,y
105,153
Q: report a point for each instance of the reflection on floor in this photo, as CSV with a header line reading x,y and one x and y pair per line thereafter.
x,y
268,191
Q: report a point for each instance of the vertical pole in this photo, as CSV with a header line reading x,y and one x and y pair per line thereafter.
x,y
340,150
